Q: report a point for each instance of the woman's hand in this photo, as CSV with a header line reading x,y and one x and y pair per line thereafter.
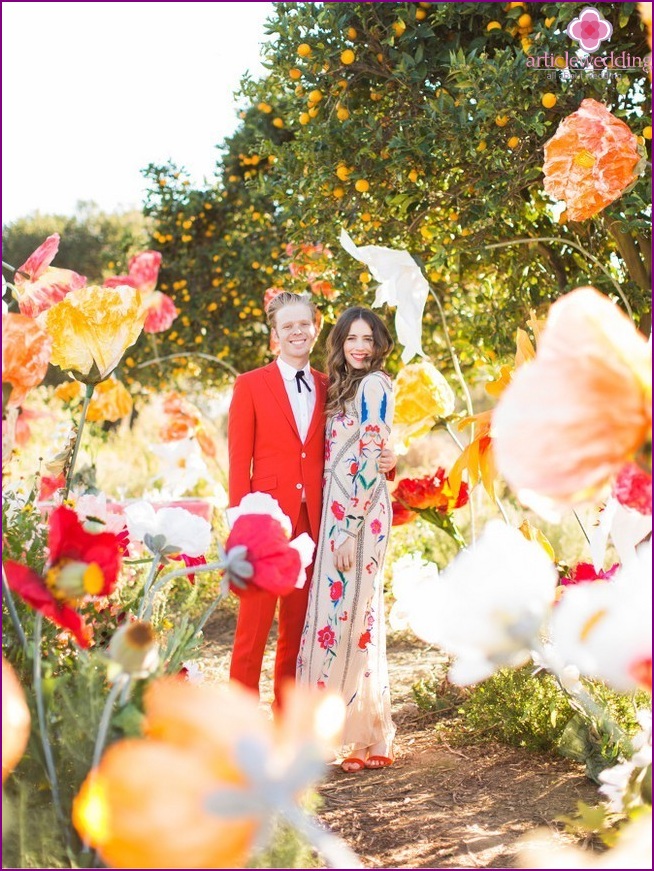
x,y
344,555
387,461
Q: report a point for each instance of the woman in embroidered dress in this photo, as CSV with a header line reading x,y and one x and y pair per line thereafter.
x,y
343,645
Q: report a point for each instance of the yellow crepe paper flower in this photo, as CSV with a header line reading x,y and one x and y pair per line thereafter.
x,y
422,395
92,327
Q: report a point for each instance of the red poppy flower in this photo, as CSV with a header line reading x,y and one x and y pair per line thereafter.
x,y
433,491
402,515
81,564
275,563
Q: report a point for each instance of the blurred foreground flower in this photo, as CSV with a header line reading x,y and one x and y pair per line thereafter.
x,y
633,849
591,160
91,329
605,627
15,720
422,397
134,650
80,564
158,308
201,789
597,365
26,349
39,285
488,606
168,531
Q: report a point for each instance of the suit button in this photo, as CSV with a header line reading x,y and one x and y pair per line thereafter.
x,y
304,456
298,486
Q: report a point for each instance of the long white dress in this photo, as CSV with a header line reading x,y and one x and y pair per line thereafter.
x,y
343,645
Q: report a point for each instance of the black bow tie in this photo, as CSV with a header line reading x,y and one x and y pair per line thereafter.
x,y
300,380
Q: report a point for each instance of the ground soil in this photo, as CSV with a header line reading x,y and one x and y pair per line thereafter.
x,y
438,806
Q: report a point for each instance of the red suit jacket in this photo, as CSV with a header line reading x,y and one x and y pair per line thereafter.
x,y
265,451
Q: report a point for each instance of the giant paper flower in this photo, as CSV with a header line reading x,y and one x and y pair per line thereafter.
x,y
489,605
79,564
211,770
572,417
590,161
92,328
26,349
111,401
477,458
143,270
401,284
39,285
422,396
605,627
168,530
260,555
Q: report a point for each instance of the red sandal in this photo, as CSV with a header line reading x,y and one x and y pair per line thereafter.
x,y
353,760
383,762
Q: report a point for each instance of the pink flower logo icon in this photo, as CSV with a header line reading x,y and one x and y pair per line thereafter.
x,y
590,29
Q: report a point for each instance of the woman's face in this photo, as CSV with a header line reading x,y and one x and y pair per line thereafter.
x,y
359,345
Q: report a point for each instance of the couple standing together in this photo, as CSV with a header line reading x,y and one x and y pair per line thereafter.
x,y
316,443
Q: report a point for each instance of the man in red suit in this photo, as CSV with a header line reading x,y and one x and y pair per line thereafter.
x,y
276,438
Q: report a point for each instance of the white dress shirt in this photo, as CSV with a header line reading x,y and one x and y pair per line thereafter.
x,y
302,403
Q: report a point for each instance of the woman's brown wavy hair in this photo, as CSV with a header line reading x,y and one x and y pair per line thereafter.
x,y
343,381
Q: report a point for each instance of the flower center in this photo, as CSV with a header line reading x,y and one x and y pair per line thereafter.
x,y
93,579
584,159
69,580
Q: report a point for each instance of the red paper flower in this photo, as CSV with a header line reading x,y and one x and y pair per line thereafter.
x,y
433,491
633,488
586,572
81,564
275,563
402,515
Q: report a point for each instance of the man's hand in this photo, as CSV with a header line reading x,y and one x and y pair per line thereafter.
x,y
387,461
344,555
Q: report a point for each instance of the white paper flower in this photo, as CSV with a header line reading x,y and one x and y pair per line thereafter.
x,y
626,528
605,627
259,503
489,604
96,515
401,284
413,578
180,531
181,466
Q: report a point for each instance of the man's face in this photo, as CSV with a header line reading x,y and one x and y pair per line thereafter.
x,y
295,331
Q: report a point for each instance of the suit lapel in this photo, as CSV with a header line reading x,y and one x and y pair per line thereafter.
x,y
275,384
319,410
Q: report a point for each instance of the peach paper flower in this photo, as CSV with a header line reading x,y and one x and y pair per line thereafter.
x,y
26,349
570,419
15,719
111,401
39,285
590,161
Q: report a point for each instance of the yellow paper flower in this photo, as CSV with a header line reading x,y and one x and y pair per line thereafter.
x,y
422,395
69,391
111,401
92,327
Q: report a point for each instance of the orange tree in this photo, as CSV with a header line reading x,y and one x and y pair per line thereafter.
x,y
418,126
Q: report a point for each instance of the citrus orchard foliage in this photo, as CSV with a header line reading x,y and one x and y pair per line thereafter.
x,y
413,125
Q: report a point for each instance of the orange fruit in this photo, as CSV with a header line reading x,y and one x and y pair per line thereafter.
x,y
548,100
525,21
295,73
342,113
482,145
647,132
305,118
351,33
304,49
315,96
362,185
348,57
502,120
420,14
513,142
399,27
278,122
493,25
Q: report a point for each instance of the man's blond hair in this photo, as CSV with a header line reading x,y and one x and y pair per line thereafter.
x,y
277,303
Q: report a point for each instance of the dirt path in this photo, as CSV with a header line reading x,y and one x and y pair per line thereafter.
x,y
438,806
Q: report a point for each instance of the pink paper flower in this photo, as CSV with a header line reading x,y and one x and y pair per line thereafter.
x,y
39,285
143,272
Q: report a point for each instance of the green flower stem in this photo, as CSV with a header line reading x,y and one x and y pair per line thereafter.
x,y
453,436
43,726
85,407
212,607
444,522
582,701
13,613
335,851
178,573
103,728
581,526
152,574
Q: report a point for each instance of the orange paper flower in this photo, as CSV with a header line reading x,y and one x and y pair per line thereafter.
x,y
477,457
570,419
26,349
111,401
15,720
590,161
